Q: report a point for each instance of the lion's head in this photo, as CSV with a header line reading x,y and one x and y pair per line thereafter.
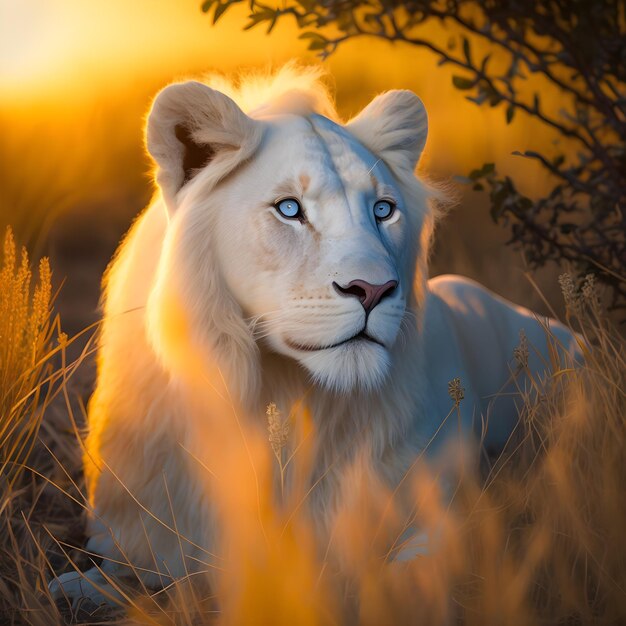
x,y
290,232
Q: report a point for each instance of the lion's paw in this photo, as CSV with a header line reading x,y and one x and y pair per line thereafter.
x,y
91,585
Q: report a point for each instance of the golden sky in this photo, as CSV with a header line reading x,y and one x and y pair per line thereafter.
x,y
63,56
59,44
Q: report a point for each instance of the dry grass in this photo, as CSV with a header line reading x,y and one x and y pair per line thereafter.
x,y
25,342
539,539
34,381
26,389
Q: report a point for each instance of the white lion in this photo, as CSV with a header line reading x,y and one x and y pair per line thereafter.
x,y
285,257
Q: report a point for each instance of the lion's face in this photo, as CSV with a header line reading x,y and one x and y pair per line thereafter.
x,y
311,236
315,242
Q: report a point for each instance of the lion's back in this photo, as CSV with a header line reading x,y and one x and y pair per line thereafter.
x,y
472,333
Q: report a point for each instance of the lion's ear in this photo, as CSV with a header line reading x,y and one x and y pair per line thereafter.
x,y
191,125
394,126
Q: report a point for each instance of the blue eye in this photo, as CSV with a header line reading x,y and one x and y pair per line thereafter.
x,y
383,210
289,208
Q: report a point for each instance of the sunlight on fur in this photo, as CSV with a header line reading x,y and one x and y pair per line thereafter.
x,y
358,499
294,89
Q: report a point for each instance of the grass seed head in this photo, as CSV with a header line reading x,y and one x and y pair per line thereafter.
x,y
521,351
570,292
278,429
455,391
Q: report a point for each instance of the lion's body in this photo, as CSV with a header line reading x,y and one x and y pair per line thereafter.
x,y
215,306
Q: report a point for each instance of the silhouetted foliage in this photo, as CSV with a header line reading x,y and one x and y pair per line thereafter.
x,y
577,47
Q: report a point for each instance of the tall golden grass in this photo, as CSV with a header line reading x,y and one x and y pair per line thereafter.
x,y
25,344
26,335
537,537
33,376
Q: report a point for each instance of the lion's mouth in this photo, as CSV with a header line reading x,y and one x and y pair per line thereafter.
x,y
360,336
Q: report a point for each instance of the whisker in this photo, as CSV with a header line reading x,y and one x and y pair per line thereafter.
x,y
256,318
289,317
373,166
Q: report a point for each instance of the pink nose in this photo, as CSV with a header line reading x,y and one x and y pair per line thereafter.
x,y
369,295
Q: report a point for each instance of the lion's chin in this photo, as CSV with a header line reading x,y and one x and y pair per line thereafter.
x,y
359,364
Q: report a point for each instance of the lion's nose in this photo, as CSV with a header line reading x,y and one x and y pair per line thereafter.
x,y
369,295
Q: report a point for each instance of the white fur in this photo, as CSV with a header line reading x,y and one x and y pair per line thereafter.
x,y
213,293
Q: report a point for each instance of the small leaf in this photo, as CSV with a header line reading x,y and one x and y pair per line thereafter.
x,y
304,20
485,170
220,9
510,112
270,28
256,18
479,99
311,35
318,42
463,83
317,45
207,5
466,50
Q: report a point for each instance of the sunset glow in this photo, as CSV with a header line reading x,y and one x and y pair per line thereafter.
x,y
71,52
49,47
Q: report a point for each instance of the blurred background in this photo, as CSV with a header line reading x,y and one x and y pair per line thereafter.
x,y
77,79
